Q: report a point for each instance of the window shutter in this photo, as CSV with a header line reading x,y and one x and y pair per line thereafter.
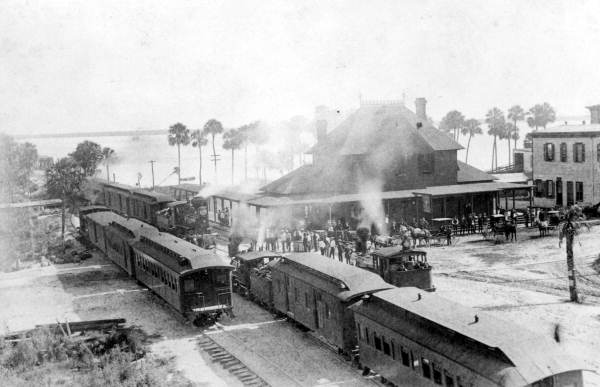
x,y
582,152
575,159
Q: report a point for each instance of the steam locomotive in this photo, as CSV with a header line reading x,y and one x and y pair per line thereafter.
x,y
186,219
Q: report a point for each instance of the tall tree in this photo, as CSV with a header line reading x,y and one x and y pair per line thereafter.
x,y
453,122
541,115
64,180
17,162
470,128
199,140
496,124
212,128
232,140
515,114
179,135
107,155
87,155
247,133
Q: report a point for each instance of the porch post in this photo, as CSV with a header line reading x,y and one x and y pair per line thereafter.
x,y
513,197
445,204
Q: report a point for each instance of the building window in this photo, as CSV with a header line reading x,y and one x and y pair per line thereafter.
x,y
386,346
549,188
425,367
437,374
563,152
578,191
579,152
377,340
449,379
425,163
549,151
539,188
405,356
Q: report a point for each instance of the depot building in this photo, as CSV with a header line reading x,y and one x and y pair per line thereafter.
x,y
384,162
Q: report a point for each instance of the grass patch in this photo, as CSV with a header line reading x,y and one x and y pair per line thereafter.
x,y
46,358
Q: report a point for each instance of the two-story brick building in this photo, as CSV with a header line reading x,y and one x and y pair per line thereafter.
x,y
566,164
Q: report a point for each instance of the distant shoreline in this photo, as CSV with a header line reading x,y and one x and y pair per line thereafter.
x,y
94,134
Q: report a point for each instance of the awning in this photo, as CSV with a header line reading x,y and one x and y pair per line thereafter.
x,y
461,189
272,201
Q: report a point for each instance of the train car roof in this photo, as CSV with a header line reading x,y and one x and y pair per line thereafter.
x,y
89,209
254,255
355,281
388,252
122,187
511,353
159,197
104,217
137,227
195,257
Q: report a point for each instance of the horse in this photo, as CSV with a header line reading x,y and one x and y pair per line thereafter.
x,y
544,227
419,235
510,230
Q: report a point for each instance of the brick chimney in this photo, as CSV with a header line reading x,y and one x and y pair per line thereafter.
x,y
321,122
421,109
595,114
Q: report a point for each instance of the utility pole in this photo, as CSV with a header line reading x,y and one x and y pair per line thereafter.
x,y
152,167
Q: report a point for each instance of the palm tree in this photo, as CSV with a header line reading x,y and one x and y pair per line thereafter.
x,y
496,124
453,121
199,140
107,155
515,114
179,135
232,139
247,133
541,115
213,127
471,128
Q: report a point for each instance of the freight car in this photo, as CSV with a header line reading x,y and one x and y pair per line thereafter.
x,y
316,291
194,281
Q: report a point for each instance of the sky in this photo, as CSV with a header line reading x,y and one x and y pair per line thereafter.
x,y
122,65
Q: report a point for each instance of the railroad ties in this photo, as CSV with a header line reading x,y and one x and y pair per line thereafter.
x,y
229,362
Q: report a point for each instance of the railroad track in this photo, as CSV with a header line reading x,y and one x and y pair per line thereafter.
x,y
229,362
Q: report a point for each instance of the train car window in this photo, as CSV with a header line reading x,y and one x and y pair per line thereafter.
x,y
221,278
306,300
437,374
425,367
386,346
448,379
415,362
295,294
188,285
327,311
360,334
393,350
367,335
405,356
459,382
278,282
377,340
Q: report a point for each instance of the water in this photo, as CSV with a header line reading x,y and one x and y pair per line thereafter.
x,y
133,156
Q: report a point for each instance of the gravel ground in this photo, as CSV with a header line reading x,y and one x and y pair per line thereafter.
x,y
526,282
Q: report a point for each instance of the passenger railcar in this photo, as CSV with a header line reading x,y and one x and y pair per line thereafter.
x,y
95,226
192,280
83,221
120,234
416,338
316,291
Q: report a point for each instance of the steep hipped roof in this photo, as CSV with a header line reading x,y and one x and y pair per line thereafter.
x,y
357,281
515,355
372,125
469,174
